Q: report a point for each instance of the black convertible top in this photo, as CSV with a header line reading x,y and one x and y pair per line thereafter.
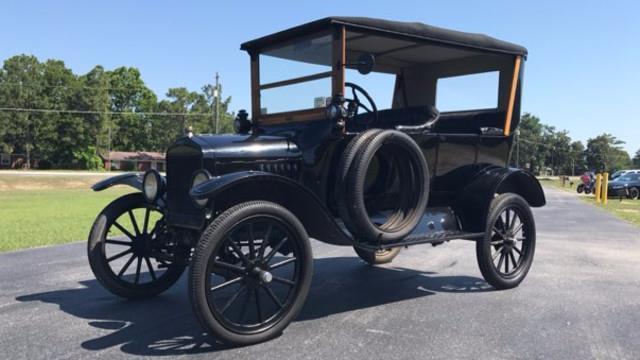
x,y
409,30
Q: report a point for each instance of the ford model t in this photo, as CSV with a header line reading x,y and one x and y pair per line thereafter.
x,y
338,166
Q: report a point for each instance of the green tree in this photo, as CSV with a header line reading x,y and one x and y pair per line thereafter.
x,y
225,117
115,110
605,153
62,134
636,159
23,87
577,158
532,147
129,95
93,95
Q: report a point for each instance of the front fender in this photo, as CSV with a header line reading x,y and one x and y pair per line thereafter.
x,y
132,179
472,203
227,190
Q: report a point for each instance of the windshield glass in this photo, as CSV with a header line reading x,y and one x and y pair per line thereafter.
x,y
296,76
629,177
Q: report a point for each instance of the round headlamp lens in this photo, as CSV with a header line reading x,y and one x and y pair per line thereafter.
x,y
151,185
198,178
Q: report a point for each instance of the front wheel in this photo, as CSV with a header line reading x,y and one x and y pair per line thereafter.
x,y
127,249
505,253
634,193
580,188
251,273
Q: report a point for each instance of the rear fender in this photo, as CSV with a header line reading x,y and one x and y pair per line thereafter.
x,y
472,203
227,190
132,179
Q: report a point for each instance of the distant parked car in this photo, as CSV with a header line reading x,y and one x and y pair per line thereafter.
x,y
627,185
619,173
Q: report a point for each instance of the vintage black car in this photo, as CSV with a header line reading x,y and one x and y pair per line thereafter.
x,y
239,209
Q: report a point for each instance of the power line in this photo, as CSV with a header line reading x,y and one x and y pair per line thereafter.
x,y
74,87
91,112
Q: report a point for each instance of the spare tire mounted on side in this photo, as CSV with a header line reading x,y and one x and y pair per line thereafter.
x,y
412,183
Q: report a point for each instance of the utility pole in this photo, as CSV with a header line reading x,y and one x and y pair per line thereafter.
x,y
216,99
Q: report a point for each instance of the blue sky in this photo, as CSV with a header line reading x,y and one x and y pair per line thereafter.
x,y
583,71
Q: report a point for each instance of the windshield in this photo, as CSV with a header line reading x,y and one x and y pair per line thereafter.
x,y
296,76
629,177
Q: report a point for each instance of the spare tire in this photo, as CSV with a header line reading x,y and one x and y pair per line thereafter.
x,y
348,156
413,184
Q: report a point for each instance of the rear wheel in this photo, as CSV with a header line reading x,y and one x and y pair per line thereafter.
x,y
506,252
125,250
634,193
580,188
377,257
251,273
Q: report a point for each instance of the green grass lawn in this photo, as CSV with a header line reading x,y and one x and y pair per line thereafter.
x,y
626,209
38,211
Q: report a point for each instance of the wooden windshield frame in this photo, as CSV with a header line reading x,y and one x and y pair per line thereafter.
x,y
338,57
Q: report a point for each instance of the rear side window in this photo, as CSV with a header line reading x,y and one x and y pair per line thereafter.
x,y
468,92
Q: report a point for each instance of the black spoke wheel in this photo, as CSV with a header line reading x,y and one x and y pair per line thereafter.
x,y
377,257
124,250
506,252
251,273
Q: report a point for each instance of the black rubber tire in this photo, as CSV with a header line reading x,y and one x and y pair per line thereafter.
x,y
587,190
373,257
97,259
413,201
207,246
634,193
346,162
580,188
483,246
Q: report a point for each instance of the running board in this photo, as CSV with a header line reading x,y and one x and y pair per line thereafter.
x,y
434,238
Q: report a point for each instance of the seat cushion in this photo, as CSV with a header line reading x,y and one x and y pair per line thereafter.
x,y
390,118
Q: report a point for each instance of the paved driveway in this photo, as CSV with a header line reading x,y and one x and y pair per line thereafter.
x,y
580,300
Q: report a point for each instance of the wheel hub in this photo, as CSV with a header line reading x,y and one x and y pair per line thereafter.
x,y
260,274
142,245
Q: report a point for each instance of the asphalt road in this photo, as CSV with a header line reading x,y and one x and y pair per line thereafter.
x,y
581,300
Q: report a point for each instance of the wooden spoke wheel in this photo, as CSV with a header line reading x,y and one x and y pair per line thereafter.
x,y
506,252
251,273
125,252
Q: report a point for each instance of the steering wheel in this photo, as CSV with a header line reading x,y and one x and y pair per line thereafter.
x,y
353,105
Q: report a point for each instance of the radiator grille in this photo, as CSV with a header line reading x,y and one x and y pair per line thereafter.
x,y
182,163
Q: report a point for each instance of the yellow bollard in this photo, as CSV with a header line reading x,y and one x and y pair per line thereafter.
x,y
598,186
605,187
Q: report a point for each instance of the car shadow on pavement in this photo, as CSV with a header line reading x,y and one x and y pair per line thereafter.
x,y
165,325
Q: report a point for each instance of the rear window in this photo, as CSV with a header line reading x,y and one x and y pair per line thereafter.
x,y
468,92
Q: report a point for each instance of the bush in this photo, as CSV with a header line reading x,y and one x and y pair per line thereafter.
x,y
88,159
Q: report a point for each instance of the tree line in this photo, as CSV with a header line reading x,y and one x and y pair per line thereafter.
x,y
540,148
65,120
